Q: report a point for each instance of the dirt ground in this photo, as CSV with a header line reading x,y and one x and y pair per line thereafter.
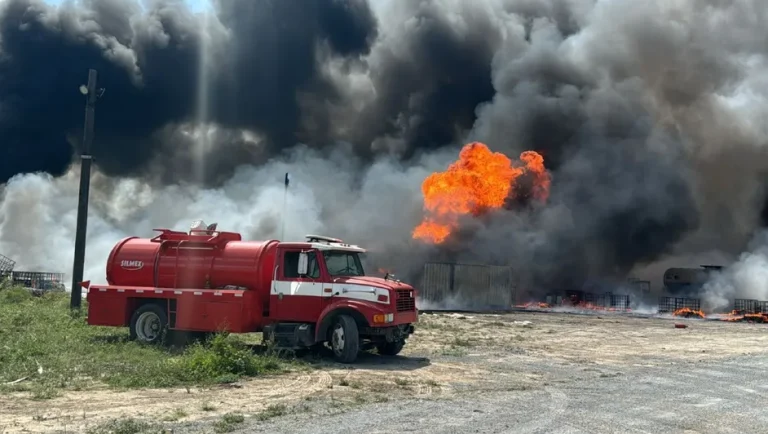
x,y
449,356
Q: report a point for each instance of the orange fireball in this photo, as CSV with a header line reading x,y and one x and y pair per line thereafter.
x,y
479,181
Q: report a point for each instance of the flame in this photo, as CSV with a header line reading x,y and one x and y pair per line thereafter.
x,y
688,312
480,180
533,305
740,315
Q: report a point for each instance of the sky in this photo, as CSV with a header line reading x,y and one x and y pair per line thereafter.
x,y
194,4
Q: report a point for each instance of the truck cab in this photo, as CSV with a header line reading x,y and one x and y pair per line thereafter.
x,y
323,278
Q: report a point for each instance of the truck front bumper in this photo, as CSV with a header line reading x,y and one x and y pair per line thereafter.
x,y
390,333
406,317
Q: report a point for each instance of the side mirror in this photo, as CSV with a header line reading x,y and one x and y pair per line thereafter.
x,y
303,263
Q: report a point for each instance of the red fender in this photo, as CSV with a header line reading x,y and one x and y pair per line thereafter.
x,y
364,309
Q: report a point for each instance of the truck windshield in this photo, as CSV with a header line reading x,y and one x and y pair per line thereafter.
x,y
341,263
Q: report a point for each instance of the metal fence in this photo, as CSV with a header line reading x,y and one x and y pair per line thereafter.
x,y
606,300
6,265
750,306
38,280
671,304
468,286
614,301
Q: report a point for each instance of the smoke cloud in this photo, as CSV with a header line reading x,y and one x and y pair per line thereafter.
x,y
745,278
648,114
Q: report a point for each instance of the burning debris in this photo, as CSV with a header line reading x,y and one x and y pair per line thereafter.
x,y
753,311
478,182
747,311
582,301
687,312
674,304
744,310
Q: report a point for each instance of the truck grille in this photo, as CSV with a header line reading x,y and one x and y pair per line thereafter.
x,y
405,302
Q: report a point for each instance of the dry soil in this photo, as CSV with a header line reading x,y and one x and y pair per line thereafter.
x,y
521,372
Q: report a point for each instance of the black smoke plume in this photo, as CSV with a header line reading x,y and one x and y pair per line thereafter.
x,y
649,116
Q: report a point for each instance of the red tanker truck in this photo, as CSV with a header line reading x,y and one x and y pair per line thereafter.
x,y
299,294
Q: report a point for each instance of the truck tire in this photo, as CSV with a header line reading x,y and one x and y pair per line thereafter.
x,y
149,324
344,339
390,348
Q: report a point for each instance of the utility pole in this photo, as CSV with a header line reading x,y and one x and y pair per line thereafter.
x,y
285,201
92,95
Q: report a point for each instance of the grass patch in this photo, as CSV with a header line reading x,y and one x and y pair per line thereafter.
x,y
430,325
459,342
228,423
455,352
49,348
126,426
175,415
271,411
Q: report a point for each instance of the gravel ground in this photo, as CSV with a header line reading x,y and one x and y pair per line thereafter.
x,y
713,397
677,389
726,396
523,373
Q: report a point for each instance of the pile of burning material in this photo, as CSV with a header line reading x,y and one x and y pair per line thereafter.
x,y
740,316
687,312
603,302
746,310
675,304
747,306
581,301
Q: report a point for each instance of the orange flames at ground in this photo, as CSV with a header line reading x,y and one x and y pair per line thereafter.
x,y
688,312
736,316
480,180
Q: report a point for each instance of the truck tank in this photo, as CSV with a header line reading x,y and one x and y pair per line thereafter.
x,y
179,260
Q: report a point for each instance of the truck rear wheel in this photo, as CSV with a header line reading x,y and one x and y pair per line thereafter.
x,y
390,348
149,324
345,339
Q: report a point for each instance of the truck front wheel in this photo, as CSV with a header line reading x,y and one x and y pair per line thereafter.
x,y
345,339
149,324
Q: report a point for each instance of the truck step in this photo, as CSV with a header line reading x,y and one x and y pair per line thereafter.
x,y
291,335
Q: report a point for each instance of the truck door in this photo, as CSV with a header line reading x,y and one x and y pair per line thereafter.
x,y
296,297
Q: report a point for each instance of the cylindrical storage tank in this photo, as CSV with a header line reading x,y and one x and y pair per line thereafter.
x,y
194,265
684,280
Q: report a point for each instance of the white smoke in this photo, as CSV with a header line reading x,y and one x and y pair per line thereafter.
x,y
746,278
674,93
374,208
